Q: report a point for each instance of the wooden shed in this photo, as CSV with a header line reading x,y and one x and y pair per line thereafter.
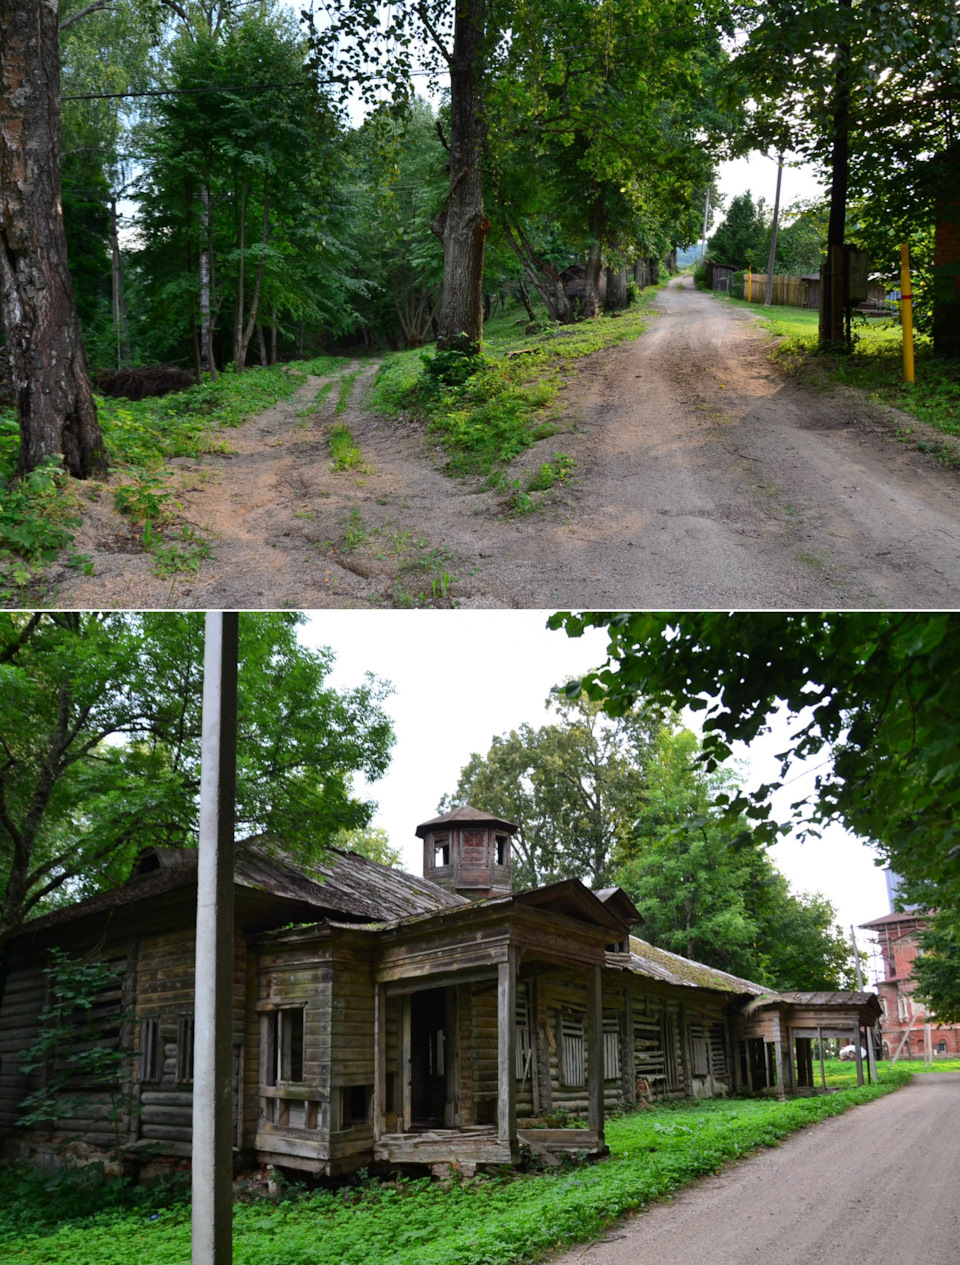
x,y
380,1017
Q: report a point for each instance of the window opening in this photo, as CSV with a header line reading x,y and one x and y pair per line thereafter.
x,y
354,1105
611,1047
501,841
571,1051
283,1060
150,1050
441,850
185,1048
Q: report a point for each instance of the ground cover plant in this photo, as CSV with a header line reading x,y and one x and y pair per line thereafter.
x,y
38,514
875,366
485,410
843,1075
498,1220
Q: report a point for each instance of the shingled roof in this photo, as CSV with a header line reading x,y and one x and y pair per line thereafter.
x,y
647,959
342,883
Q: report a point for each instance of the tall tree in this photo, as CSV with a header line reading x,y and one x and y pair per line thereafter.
x,y
569,786
55,407
100,746
707,888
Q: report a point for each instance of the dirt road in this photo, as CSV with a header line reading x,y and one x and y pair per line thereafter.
x,y
704,477
878,1183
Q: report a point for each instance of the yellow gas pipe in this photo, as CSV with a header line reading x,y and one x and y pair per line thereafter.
x,y
906,313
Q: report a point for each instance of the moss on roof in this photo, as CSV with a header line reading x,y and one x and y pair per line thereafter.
x,y
647,959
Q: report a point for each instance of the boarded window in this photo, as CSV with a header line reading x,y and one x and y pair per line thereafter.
x,y
611,1047
718,1050
648,1049
571,1051
150,1050
699,1051
185,1048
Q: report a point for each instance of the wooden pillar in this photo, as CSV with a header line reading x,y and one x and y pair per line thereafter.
x,y
380,1062
595,1052
405,1104
859,1056
823,1073
507,1049
212,1149
629,1058
451,1115
789,1078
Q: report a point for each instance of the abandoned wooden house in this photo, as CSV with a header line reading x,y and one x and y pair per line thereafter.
x,y
380,1017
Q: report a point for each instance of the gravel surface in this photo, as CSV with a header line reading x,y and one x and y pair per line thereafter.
x,y
705,477
880,1183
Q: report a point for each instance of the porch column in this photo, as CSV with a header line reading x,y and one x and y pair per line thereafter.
x,y
380,1062
595,1052
823,1074
859,1056
507,1049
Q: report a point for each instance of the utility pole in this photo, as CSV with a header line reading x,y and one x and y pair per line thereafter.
x,y
212,1153
871,1053
772,258
706,223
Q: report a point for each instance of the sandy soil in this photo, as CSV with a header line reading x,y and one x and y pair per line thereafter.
x,y
856,1188
704,477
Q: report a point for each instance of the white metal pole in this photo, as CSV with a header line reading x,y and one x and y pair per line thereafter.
x,y
212,1153
868,1030
706,222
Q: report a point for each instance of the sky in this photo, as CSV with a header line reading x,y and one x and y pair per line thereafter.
x,y
758,173
461,677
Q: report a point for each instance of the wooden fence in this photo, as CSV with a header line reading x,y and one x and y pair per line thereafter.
x,y
787,291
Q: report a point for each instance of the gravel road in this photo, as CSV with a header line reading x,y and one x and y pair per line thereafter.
x,y
704,477
880,1183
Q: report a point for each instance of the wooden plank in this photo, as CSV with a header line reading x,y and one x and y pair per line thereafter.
x,y
595,1051
507,1050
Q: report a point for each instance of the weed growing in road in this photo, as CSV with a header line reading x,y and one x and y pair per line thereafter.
x,y
550,473
491,1220
318,400
344,452
354,531
346,387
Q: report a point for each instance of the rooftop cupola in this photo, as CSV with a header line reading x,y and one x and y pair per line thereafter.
x,y
468,852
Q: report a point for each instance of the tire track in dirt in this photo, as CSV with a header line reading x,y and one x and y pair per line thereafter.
x,y
704,477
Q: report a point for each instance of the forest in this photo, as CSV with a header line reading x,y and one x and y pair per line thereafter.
x,y
242,185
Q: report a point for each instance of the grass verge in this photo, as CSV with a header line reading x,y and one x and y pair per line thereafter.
x,y
875,366
486,410
38,515
485,1221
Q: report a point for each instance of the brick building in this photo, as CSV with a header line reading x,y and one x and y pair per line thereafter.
x,y
904,1019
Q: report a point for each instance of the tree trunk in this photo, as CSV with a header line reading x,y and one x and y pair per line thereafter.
x,y
615,297
55,407
262,347
832,334
238,356
525,299
591,280
258,284
543,276
121,329
273,335
206,283
461,225
946,256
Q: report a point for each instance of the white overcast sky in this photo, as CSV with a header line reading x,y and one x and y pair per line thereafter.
x,y
461,677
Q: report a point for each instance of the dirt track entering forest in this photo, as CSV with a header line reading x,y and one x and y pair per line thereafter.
x,y
850,1189
704,477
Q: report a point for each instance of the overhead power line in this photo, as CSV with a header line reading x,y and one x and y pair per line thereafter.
x,y
249,87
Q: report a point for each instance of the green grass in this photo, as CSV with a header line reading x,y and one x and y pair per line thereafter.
x,y
346,388
484,420
843,1075
486,1221
38,515
344,452
875,366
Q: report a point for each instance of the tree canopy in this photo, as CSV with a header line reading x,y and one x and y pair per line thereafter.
x,y
876,696
100,746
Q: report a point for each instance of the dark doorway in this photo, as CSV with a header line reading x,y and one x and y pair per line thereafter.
x,y
428,1058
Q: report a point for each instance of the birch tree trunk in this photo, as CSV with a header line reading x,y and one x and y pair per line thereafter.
x,y
462,226
55,407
